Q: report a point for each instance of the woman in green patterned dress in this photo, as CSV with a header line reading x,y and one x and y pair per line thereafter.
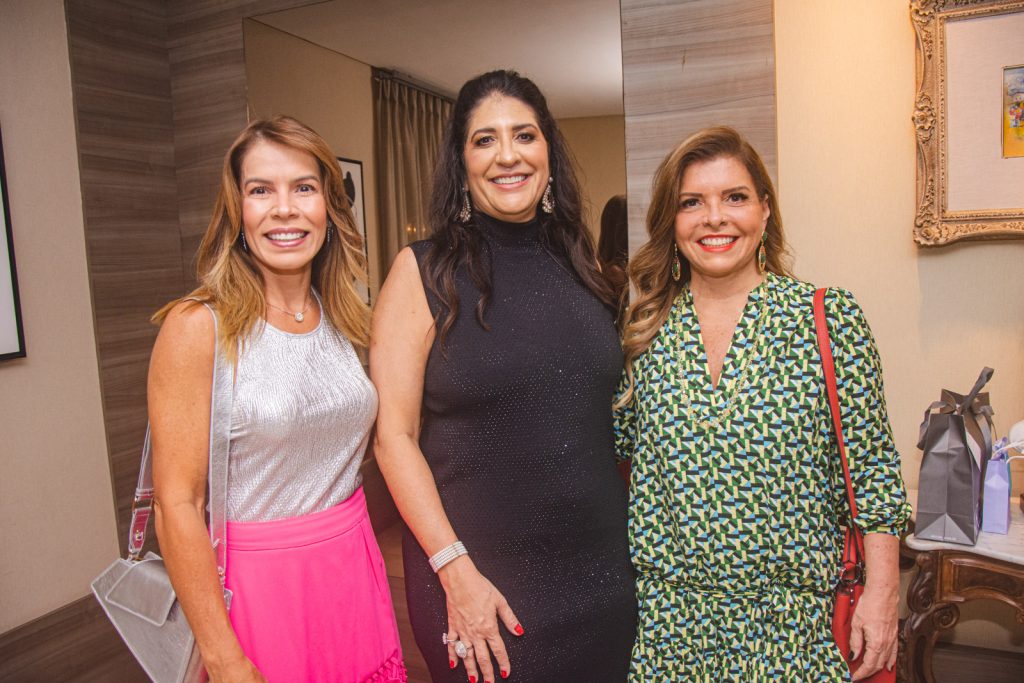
x,y
736,493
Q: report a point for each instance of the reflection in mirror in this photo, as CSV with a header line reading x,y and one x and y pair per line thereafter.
x,y
376,79
336,66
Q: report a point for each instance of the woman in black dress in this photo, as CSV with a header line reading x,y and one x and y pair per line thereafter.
x,y
494,350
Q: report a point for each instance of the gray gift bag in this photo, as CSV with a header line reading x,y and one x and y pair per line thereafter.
x,y
956,437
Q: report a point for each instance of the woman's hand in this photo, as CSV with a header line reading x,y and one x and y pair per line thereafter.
x,y
875,625
240,670
876,620
473,602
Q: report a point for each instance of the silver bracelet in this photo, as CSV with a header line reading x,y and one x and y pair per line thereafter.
x,y
446,555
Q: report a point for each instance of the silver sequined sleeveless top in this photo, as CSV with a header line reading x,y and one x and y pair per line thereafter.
x,y
301,417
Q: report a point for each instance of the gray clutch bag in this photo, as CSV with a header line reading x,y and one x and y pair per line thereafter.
x,y
135,592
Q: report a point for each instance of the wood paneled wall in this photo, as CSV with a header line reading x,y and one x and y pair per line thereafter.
x,y
122,96
208,87
687,64
74,643
159,92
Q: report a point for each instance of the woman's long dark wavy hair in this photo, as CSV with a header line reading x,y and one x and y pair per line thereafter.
x,y
455,245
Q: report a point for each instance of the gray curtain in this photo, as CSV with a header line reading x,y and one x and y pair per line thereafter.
x,y
408,127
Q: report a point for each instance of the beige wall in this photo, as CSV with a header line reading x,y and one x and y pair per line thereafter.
x,y
599,145
845,77
57,530
325,90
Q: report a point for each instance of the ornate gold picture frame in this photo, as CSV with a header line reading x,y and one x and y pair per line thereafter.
x,y
966,188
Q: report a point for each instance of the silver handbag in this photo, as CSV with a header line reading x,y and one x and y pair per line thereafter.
x,y
136,592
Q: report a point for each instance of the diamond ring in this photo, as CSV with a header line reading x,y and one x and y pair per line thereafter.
x,y
461,648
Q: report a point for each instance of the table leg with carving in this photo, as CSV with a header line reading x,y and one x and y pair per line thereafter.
x,y
944,579
928,616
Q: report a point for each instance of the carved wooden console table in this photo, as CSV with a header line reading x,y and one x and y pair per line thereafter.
x,y
950,574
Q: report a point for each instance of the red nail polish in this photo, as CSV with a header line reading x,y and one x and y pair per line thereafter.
x,y
519,629
504,674
472,679
451,663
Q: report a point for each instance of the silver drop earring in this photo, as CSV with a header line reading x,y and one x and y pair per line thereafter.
x,y
466,212
330,229
245,247
547,201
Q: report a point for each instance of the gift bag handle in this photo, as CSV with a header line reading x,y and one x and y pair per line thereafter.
x,y
983,378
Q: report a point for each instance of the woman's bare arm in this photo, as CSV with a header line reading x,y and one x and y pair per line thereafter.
x,y
180,380
400,340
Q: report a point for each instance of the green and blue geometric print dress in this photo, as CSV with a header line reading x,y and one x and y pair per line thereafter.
x,y
736,496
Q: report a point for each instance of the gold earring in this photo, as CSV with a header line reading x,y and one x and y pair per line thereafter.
x,y
762,254
547,202
677,267
466,212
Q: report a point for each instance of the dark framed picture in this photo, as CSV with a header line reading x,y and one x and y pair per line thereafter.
x,y
352,175
12,335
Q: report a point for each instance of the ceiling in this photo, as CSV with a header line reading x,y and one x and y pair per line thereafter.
x,y
570,48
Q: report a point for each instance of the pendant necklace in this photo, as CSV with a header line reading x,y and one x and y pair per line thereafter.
x,y
299,316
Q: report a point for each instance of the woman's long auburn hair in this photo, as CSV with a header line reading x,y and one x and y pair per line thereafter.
x,y
456,245
229,278
650,267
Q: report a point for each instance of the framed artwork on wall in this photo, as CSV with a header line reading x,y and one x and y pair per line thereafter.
x,y
12,335
1013,111
968,120
352,176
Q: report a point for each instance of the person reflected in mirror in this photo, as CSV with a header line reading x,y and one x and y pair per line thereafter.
x,y
277,269
494,350
737,495
613,247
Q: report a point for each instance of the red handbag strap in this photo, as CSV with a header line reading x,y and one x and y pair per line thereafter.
x,y
828,366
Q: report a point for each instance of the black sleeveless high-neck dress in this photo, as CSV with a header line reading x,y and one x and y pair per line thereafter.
x,y
517,430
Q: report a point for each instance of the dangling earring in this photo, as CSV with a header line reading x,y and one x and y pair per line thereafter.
x,y
677,267
762,253
547,201
330,229
467,209
245,247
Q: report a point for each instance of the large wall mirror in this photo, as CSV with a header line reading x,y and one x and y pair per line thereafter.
x,y
326,63
377,81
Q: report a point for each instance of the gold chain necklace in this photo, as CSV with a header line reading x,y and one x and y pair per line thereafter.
x,y
710,419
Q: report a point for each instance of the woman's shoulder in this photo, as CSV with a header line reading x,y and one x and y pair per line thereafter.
x,y
842,310
416,254
187,336
791,287
420,248
801,291
409,262
190,317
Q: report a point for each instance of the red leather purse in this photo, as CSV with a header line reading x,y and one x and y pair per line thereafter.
x,y
851,581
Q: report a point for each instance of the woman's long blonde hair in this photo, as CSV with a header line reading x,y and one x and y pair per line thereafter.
x,y
229,278
650,267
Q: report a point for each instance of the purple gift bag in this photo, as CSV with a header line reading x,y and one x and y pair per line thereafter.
x,y
995,518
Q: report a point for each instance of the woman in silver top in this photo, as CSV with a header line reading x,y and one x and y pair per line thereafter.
x,y
277,270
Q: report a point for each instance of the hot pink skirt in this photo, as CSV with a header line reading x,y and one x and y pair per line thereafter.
x,y
311,600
